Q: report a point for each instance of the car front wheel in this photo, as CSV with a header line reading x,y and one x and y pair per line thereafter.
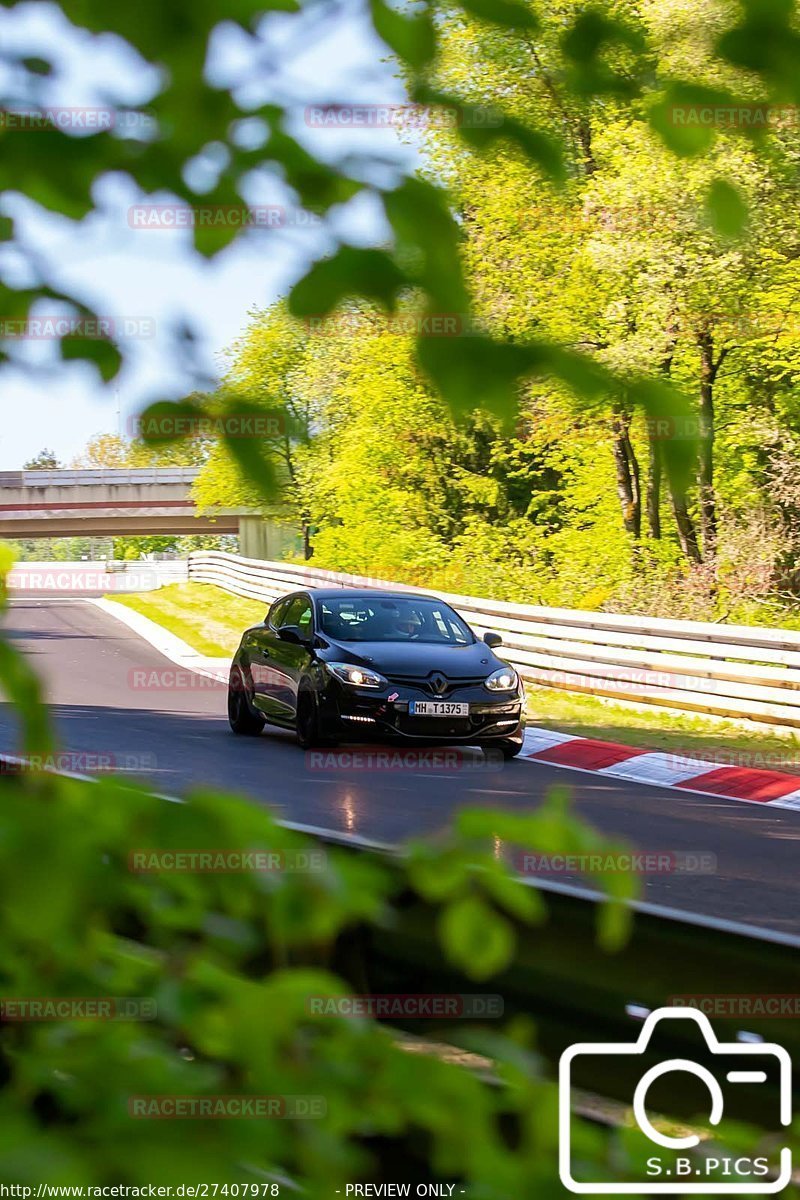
x,y
241,717
308,724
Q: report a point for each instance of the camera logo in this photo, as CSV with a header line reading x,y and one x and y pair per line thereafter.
x,y
669,1172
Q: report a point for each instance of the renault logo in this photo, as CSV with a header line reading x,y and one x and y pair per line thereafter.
x,y
438,683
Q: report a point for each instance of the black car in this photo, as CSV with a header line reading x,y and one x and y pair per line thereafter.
x,y
347,665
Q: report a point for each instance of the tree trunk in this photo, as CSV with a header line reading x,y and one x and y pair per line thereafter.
x,y
627,468
687,534
584,132
653,499
686,530
705,474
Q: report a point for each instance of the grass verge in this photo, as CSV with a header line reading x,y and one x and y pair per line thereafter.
x,y
209,619
212,620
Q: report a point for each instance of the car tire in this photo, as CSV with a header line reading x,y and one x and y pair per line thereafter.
x,y
241,718
308,726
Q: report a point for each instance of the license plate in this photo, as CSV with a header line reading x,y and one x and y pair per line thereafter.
x,y
437,708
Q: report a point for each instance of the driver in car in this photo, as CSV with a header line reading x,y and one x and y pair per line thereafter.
x,y
407,624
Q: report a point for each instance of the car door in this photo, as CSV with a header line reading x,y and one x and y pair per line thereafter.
x,y
262,649
289,660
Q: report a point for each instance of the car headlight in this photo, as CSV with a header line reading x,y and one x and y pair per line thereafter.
x,y
357,676
503,680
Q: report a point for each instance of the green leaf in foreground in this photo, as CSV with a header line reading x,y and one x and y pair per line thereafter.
x,y
553,829
680,117
412,38
726,209
351,271
585,44
20,684
104,354
478,369
428,243
476,938
765,40
168,421
469,369
502,12
539,147
668,409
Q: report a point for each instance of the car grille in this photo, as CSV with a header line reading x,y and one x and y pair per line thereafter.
x,y
434,726
423,683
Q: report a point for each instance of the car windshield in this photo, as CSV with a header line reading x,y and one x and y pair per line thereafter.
x,y
392,619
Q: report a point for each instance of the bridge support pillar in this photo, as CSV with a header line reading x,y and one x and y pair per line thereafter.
x,y
260,537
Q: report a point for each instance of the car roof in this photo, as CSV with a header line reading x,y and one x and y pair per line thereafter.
x,y
364,594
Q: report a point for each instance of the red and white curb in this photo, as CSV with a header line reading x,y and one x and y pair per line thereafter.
x,y
661,769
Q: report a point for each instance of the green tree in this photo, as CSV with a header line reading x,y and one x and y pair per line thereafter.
x,y
45,460
268,365
111,450
636,260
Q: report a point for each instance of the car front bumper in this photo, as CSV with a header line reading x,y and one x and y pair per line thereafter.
x,y
360,714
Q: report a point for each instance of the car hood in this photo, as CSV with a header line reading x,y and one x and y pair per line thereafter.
x,y
418,658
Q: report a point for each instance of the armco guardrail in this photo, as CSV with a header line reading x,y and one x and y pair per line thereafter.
x,y
734,671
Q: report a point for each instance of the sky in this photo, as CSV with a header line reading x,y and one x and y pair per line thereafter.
x,y
148,281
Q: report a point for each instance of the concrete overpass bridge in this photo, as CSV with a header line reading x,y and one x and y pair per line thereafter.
x,y
124,502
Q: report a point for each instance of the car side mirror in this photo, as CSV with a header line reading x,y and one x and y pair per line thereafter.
x,y
492,639
292,634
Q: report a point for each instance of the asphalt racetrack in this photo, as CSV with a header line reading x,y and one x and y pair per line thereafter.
x,y
117,702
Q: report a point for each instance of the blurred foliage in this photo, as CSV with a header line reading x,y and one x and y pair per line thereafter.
x,y
231,960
